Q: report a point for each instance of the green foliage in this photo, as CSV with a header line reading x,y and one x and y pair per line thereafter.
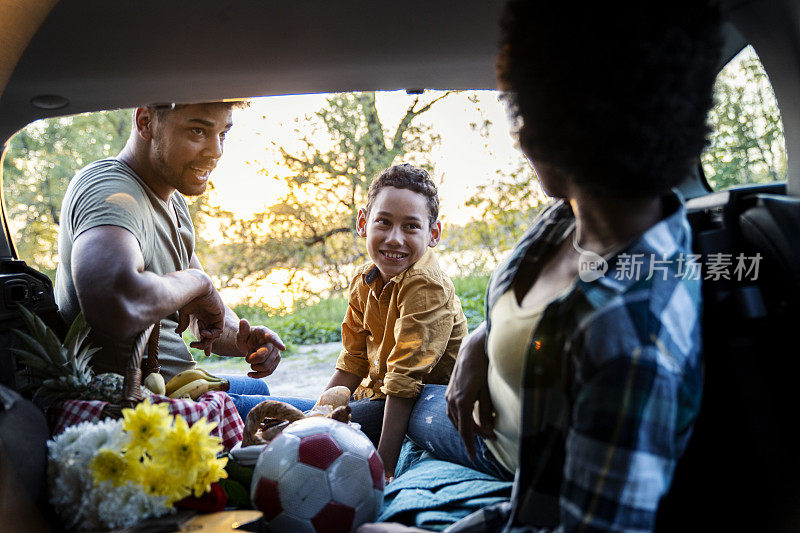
x,y
237,484
506,206
306,324
747,144
312,228
39,163
471,290
59,370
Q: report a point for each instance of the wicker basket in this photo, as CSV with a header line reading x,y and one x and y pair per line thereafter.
x,y
137,369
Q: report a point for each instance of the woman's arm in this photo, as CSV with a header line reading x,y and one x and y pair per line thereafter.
x,y
468,385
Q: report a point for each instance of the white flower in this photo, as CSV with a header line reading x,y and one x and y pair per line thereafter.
x,y
73,492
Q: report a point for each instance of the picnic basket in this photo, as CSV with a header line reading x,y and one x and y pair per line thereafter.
x,y
138,367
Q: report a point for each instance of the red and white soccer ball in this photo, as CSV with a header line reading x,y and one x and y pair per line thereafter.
x,y
318,476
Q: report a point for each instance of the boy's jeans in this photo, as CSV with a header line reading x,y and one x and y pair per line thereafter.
x,y
431,430
247,392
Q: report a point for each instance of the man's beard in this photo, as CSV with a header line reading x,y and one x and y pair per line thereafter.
x,y
171,177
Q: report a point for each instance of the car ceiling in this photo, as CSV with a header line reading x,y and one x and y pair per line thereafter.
x,y
101,54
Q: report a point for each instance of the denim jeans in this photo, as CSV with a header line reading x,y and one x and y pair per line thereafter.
x,y
247,392
431,430
369,414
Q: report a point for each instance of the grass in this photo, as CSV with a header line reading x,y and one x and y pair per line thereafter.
x,y
321,322
471,291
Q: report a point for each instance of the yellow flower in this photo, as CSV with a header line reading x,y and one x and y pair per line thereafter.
x,y
109,465
209,444
214,472
160,481
145,422
136,467
185,448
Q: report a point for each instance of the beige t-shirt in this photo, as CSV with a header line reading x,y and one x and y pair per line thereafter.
x,y
509,338
109,193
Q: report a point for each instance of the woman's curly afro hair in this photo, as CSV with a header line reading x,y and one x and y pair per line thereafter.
x,y
613,97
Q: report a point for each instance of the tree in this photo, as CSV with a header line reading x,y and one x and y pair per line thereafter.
x,y
747,144
38,165
506,206
312,228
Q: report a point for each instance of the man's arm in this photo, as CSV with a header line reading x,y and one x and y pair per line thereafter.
x,y
258,344
119,298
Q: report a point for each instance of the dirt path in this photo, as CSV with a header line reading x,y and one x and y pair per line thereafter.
x,y
303,373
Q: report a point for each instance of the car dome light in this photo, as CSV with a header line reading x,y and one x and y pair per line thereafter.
x,y
49,101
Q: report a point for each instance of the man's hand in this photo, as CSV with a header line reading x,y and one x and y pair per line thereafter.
x,y
469,384
261,348
208,311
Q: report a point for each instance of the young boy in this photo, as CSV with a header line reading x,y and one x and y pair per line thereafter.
x,y
404,323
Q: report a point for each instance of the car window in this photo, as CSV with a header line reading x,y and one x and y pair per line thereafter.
x,y
746,143
38,164
295,170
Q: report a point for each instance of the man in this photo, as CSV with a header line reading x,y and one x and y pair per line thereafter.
x,y
126,247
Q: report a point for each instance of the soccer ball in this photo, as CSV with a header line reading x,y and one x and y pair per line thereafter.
x,y
318,476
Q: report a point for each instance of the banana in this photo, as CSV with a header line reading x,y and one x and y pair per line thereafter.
x,y
193,374
193,390
183,378
221,385
155,382
224,385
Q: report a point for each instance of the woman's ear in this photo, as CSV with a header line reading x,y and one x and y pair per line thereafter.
x,y
436,233
361,223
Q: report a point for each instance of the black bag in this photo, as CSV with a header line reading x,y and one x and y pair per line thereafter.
x,y
23,441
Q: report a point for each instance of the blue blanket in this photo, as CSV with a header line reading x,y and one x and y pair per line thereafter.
x,y
433,494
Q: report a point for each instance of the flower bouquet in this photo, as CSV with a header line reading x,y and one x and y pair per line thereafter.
x,y
114,473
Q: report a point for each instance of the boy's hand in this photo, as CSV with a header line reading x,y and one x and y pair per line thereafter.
x,y
261,348
468,385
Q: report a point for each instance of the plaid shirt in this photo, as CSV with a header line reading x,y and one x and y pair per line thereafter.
x,y
612,384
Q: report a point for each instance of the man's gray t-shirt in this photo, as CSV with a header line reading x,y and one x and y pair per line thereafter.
x,y
109,193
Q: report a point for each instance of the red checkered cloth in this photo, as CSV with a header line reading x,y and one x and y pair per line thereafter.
x,y
215,406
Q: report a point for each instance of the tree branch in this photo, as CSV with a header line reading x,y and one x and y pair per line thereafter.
x,y
410,115
325,236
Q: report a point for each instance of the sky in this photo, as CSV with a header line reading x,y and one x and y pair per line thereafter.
x,y
247,180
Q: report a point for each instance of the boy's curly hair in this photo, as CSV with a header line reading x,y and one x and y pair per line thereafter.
x,y
615,98
407,176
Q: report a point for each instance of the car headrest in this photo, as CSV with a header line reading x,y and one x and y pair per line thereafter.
x,y
772,227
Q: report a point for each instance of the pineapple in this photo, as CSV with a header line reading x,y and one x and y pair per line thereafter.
x,y
62,371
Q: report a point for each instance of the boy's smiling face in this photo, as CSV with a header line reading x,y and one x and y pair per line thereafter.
x,y
397,230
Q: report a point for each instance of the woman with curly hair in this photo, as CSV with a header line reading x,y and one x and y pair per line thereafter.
x,y
585,380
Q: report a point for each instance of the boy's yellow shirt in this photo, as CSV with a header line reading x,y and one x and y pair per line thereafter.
x,y
404,335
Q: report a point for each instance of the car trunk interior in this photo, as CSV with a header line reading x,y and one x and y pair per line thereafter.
x,y
742,466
